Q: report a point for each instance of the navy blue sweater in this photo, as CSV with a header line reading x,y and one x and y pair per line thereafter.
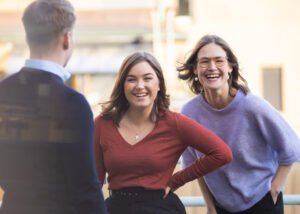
x,y
46,156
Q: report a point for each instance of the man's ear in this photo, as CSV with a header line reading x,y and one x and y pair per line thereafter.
x,y
66,40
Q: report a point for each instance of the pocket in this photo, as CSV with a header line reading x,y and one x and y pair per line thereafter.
x,y
270,199
278,200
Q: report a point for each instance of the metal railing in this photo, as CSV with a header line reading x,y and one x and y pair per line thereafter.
x,y
189,201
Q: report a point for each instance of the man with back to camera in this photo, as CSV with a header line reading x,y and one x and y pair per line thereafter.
x,y
46,128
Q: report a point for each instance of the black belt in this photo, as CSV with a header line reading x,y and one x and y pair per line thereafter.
x,y
137,194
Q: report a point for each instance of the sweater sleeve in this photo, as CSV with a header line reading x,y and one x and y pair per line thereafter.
x,y
276,131
216,152
98,151
80,163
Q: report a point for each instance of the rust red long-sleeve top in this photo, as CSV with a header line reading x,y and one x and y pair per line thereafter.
x,y
150,163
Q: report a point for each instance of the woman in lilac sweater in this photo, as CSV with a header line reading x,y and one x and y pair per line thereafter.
x,y
264,146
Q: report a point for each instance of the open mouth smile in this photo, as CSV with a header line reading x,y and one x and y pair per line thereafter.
x,y
212,76
140,94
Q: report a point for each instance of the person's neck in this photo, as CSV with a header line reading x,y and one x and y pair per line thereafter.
x,y
52,57
138,116
219,98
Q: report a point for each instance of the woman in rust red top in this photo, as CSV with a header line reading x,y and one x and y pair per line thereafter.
x,y
138,142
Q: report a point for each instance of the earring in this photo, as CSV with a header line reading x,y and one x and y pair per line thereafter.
x,y
196,78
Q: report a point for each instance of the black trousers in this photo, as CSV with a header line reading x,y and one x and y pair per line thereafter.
x,y
264,206
137,200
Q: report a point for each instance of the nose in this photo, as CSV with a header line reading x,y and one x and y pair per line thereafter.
x,y
140,84
212,64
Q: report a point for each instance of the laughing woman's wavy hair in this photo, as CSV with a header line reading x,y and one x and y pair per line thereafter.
x,y
117,105
186,70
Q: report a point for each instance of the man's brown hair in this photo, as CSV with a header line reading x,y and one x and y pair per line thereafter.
x,y
45,20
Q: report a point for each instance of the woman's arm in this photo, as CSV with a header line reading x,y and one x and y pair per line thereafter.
x,y
216,152
211,209
279,179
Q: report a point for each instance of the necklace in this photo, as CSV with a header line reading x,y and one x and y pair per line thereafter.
x,y
135,132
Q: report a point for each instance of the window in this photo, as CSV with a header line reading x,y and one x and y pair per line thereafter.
x,y
272,86
183,8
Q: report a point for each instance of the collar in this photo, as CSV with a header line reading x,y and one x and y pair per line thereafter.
x,y
48,66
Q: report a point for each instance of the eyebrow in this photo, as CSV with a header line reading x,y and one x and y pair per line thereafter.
x,y
217,57
147,74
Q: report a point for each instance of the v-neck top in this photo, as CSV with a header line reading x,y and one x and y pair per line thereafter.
x,y
140,139
150,163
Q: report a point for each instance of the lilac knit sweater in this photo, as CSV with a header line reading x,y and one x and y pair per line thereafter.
x,y
260,140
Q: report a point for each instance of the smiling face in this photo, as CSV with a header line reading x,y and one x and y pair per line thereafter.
x,y
212,68
141,86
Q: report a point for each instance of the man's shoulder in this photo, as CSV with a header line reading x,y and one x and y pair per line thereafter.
x,y
7,85
30,84
73,96
8,79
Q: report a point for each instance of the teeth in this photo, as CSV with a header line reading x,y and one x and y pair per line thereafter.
x,y
140,95
212,75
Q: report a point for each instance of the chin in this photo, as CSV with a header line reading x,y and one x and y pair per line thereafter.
x,y
141,106
214,86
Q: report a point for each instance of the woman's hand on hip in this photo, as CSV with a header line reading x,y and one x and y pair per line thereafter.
x,y
275,193
167,191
